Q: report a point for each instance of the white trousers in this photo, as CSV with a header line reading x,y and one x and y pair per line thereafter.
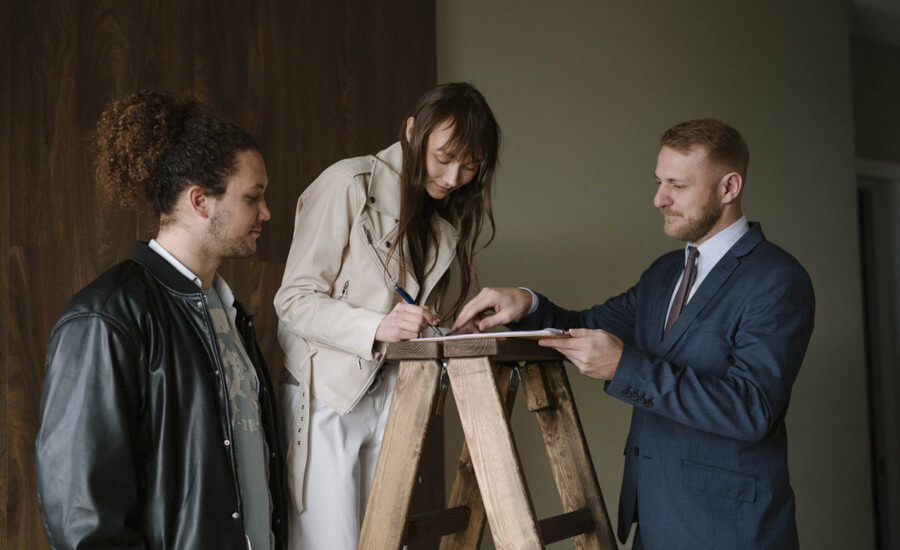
x,y
343,451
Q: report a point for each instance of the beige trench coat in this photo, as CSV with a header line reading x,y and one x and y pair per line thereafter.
x,y
335,291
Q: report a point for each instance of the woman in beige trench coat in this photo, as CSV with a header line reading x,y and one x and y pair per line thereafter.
x,y
367,224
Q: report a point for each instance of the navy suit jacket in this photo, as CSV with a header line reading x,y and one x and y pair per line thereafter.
x,y
706,456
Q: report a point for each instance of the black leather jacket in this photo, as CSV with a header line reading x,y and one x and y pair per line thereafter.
x,y
134,448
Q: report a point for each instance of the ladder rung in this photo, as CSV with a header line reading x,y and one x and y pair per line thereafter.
x,y
436,524
564,526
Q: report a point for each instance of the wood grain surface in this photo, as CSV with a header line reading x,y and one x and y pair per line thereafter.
x,y
504,491
5,171
535,387
398,461
500,349
465,486
314,82
568,453
413,350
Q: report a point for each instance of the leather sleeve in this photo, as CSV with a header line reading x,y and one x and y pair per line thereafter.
x,y
87,445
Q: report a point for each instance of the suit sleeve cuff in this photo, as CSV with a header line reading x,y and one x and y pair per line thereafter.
x,y
629,383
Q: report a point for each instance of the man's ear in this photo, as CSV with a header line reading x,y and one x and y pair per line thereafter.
x,y
731,185
409,128
198,201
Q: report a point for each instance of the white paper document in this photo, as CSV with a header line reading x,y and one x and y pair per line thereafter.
x,y
527,334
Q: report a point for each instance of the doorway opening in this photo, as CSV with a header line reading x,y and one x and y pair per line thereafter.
x,y
878,189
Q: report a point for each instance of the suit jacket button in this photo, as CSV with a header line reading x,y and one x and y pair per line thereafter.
x,y
627,394
636,451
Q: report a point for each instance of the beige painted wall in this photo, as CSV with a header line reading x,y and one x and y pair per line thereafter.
x,y
582,91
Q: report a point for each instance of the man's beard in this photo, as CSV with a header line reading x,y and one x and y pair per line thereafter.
x,y
236,249
697,227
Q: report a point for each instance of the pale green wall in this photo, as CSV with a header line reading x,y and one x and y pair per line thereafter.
x,y
583,91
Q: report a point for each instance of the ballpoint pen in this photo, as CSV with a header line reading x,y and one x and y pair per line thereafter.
x,y
408,299
400,290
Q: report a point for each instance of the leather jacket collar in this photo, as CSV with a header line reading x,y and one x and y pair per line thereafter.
x,y
163,270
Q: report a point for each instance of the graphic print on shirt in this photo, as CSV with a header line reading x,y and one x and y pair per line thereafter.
x,y
243,387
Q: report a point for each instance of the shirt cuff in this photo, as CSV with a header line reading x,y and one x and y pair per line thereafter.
x,y
534,301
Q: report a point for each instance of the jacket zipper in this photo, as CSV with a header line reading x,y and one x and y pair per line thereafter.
x,y
343,295
344,290
387,270
224,387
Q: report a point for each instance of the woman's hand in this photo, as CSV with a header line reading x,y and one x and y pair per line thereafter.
x,y
405,321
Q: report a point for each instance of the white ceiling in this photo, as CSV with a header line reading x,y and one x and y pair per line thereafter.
x,y
877,20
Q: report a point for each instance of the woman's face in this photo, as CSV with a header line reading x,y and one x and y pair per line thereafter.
x,y
444,173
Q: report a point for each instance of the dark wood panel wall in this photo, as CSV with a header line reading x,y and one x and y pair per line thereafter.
x,y
5,171
315,81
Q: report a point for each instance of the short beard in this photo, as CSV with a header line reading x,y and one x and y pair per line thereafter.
x,y
699,226
218,232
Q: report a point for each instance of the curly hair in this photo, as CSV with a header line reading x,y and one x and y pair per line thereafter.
x,y
152,146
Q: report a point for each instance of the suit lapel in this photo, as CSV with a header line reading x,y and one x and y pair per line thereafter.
x,y
664,290
708,289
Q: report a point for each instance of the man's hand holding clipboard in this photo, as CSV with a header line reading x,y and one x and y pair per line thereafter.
x,y
595,353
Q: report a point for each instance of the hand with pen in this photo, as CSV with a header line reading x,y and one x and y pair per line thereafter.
x,y
404,322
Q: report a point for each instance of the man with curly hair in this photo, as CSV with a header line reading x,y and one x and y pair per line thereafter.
x,y
158,423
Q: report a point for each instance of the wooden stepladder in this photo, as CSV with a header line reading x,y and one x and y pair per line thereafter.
x,y
489,484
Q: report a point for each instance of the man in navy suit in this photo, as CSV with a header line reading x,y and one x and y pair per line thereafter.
x,y
705,347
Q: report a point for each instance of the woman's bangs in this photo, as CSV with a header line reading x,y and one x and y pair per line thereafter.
x,y
468,141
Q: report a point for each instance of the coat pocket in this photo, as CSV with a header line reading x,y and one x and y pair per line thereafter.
x,y
719,482
381,259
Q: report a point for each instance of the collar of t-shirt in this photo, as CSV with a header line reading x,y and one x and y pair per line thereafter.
x,y
711,251
222,288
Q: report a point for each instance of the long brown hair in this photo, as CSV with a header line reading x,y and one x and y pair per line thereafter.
x,y
475,135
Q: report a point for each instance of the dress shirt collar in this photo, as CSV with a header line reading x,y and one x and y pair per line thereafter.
x,y
712,250
219,283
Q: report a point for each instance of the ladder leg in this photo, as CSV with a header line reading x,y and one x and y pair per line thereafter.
x,y
398,460
482,413
567,449
465,488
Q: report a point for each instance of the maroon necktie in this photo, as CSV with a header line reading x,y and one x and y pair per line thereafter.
x,y
684,290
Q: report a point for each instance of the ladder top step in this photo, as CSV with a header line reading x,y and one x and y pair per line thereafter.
x,y
498,349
